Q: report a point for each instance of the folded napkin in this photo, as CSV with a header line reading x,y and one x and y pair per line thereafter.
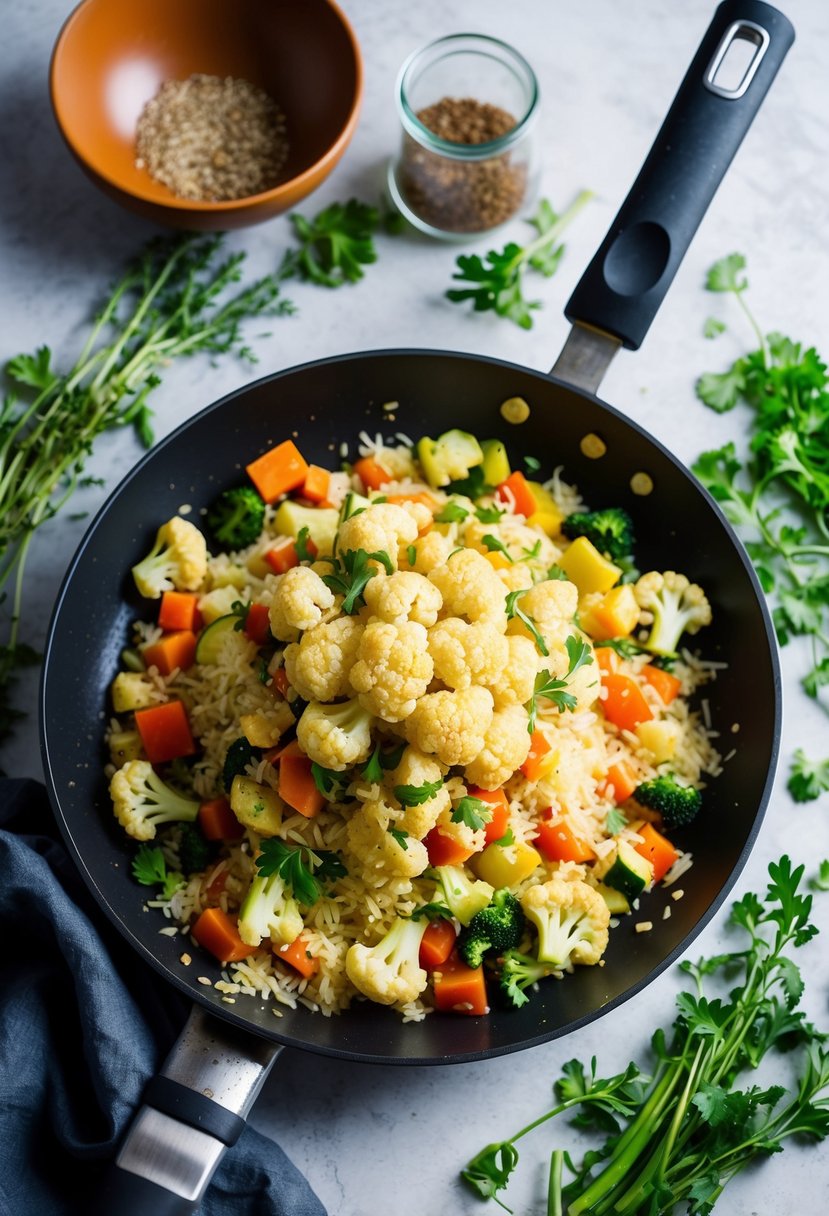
x,y
83,1024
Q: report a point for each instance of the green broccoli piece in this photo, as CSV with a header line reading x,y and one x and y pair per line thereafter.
x,y
610,530
195,851
463,896
498,926
516,972
677,606
236,517
239,755
678,804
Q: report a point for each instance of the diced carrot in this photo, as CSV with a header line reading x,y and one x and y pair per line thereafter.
x,y
607,659
172,650
257,624
296,782
445,850
558,842
218,883
425,499
282,556
276,472
657,849
317,483
460,989
297,955
437,944
281,683
497,800
533,766
179,610
624,780
217,933
371,473
624,703
515,489
165,732
218,822
665,682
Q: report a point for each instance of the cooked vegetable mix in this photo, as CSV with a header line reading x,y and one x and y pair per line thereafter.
x,y
402,732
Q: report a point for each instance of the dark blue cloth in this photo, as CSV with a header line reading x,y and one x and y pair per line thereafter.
x,y
83,1024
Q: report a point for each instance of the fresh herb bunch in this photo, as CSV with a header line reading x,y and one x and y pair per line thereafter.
x,y
166,304
777,494
497,283
682,1134
334,246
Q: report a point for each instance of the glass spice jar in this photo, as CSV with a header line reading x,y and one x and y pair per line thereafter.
x,y
467,105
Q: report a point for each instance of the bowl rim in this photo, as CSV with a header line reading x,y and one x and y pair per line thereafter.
x,y
227,206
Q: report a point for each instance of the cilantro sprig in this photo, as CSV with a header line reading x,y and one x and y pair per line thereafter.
x,y
416,795
150,869
514,609
679,1136
495,284
474,812
351,572
776,493
555,690
301,868
334,246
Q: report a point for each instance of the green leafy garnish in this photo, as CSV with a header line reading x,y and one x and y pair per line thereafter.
x,y
579,655
150,869
515,610
452,513
713,327
489,515
474,812
330,782
808,779
350,574
372,770
334,246
615,821
432,911
416,795
495,545
508,838
820,882
300,868
532,464
411,554
496,283
400,836
304,554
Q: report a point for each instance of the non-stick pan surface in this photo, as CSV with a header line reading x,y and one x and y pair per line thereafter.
x,y
322,405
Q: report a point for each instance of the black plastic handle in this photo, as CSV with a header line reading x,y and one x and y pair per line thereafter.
x,y
127,1194
622,288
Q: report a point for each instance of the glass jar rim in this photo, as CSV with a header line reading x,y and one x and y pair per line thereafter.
x,y
420,132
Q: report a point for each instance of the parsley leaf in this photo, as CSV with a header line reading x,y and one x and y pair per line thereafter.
x,y
713,327
615,822
514,610
725,275
33,371
330,782
495,545
452,513
299,867
820,882
301,544
416,795
489,515
808,779
474,812
350,574
334,246
579,655
432,911
148,866
400,836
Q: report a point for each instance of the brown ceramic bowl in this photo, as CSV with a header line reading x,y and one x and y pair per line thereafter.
x,y
113,55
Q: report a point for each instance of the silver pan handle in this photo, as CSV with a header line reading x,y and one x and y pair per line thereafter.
x,y
192,1111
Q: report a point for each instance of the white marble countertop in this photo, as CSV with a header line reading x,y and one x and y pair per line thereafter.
x,y
374,1139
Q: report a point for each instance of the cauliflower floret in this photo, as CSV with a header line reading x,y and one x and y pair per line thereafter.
x,y
335,736
572,920
676,605
141,800
552,606
521,542
417,769
516,577
393,669
390,972
299,600
451,725
431,550
318,665
269,910
471,588
466,654
516,683
506,746
403,596
382,528
378,840
177,560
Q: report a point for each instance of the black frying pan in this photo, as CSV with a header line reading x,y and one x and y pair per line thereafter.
x,y
325,403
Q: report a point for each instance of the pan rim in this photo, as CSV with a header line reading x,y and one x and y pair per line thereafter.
x,y
228,1013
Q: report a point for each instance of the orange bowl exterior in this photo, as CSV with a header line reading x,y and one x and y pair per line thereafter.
x,y
112,56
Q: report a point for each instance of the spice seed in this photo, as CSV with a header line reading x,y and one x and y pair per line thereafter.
x,y
212,139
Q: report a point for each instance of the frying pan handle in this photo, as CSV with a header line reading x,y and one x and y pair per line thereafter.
x,y
193,1110
622,288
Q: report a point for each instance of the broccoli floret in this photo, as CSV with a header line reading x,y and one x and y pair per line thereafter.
x,y
498,926
610,530
141,800
236,517
677,606
269,910
516,972
195,851
390,972
239,755
464,896
677,804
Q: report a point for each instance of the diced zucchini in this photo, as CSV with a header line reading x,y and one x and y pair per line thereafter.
x,y
495,463
256,806
214,638
321,522
617,903
449,457
630,872
132,690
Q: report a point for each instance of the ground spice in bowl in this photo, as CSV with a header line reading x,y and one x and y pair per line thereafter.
x,y
212,139
456,194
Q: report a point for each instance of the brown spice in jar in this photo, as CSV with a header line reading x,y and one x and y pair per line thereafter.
x,y
462,195
212,139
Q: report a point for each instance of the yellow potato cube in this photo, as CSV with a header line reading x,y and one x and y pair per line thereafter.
x,y
584,565
256,806
132,690
507,865
612,615
660,737
264,730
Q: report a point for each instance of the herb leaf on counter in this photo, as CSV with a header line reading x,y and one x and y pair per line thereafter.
x,y
334,246
171,301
